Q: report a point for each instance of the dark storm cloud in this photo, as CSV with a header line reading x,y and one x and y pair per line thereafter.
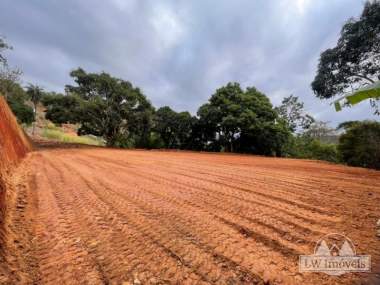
x,y
179,52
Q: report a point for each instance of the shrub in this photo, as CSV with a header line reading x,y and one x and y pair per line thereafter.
x,y
323,151
52,126
360,145
23,112
303,146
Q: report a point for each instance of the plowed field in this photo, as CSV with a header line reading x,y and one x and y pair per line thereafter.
x,y
103,216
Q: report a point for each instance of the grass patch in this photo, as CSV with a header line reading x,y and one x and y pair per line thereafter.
x,y
56,134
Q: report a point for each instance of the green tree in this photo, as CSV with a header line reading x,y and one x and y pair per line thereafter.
x,y
3,46
35,94
242,121
61,109
165,125
292,111
174,128
11,89
140,123
355,60
359,146
8,76
347,125
184,129
304,146
111,108
16,100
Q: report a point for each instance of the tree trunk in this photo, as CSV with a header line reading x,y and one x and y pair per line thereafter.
x,y
35,117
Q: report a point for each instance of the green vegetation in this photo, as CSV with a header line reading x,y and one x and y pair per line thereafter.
x,y
111,111
242,121
174,129
354,61
360,145
233,120
17,101
11,89
58,135
35,94
292,111
23,112
60,108
304,146
111,108
310,139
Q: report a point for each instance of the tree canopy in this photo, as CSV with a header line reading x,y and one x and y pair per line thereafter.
x,y
174,128
355,61
243,121
61,108
292,111
359,146
35,94
110,107
16,99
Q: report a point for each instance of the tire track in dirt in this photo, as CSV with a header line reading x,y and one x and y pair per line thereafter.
x,y
237,198
115,243
110,216
238,228
18,248
253,191
57,248
155,229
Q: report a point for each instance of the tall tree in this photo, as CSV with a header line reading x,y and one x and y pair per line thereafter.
x,y
174,128
8,76
61,108
293,112
16,100
11,89
165,125
111,108
34,93
355,61
359,145
243,121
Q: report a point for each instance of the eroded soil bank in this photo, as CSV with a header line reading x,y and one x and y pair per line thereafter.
x,y
14,145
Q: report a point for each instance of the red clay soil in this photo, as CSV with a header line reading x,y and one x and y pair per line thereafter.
x,y
13,147
13,142
105,216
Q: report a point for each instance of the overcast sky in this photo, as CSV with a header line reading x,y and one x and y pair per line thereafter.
x,y
178,52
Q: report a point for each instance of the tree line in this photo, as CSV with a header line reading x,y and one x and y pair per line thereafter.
x,y
234,119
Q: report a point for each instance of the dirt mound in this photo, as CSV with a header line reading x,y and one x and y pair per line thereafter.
x,y
14,145
13,142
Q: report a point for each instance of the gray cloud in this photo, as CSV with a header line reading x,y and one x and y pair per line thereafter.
x,y
179,52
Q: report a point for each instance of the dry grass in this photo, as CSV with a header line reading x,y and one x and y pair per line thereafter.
x,y
57,134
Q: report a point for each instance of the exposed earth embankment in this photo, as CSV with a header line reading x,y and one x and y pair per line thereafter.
x,y
14,145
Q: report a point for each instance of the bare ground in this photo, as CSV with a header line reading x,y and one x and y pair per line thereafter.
x,y
103,216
